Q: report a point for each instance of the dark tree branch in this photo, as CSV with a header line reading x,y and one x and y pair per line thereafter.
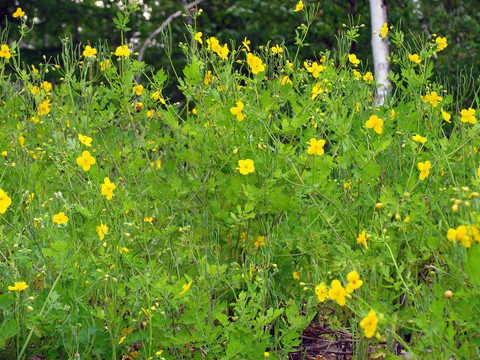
x,y
164,24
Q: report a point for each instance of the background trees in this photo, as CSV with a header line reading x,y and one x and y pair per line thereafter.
x,y
260,21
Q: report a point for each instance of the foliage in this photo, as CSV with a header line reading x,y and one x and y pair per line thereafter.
x,y
219,227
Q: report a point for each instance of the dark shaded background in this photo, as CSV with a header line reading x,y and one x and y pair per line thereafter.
x,y
260,21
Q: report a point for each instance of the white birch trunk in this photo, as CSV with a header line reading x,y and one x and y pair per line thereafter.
x,y
380,50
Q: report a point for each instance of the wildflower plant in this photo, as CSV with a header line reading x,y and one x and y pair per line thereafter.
x,y
273,191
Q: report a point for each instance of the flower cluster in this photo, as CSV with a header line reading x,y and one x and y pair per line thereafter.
x,y
214,45
337,292
466,234
122,51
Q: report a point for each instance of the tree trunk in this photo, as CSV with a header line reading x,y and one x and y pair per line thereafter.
x,y
380,50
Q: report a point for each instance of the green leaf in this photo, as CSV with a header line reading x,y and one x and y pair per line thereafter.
x,y
6,300
9,329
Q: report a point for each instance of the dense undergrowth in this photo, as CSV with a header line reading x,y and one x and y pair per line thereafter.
x,y
221,226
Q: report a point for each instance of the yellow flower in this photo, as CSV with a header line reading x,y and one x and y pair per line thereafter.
x,y
260,241
213,44
5,52
138,106
198,37
420,139
5,201
245,44
353,59
150,113
375,123
255,63
223,52
122,51
452,234
44,107
47,86
368,77
316,147
18,13
465,234
245,166
432,98
354,281
315,69
35,90
85,140
299,6
277,49
321,292
384,31
337,292
104,64
21,140
157,96
296,275
60,218
148,219
35,70
468,116
414,58
107,188
208,78
362,239
441,43
392,114
237,110
317,90
101,230
185,287
138,89
446,116
86,160
369,324
286,80
424,168
89,51
18,286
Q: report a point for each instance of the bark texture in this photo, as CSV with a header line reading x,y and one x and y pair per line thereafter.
x,y
380,50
